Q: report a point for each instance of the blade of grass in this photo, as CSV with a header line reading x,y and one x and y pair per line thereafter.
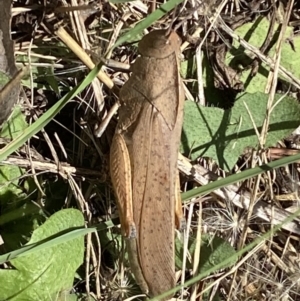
x,y
244,175
52,241
48,116
46,243
153,17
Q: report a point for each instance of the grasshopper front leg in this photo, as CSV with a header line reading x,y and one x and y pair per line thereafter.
x,y
121,177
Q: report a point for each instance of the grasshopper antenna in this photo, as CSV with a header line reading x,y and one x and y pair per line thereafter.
x,y
168,32
180,23
187,17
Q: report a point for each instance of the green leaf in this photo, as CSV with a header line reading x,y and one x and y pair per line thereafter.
x,y
4,79
15,125
213,251
12,196
188,68
223,135
255,34
46,273
9,177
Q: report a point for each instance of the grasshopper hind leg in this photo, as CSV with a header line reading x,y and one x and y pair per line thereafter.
x,y
120,170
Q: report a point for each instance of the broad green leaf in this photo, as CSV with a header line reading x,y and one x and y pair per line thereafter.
x,y
9,178
4,79
255,34
15,125
223,134
46,273
12,197
188,68
10,192
66,296
213,251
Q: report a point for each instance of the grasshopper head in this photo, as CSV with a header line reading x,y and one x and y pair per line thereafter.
x,y
158,45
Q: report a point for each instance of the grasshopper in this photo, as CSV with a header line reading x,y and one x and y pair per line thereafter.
x,y
143,161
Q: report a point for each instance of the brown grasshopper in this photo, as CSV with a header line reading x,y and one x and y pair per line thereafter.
x,y
143,161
